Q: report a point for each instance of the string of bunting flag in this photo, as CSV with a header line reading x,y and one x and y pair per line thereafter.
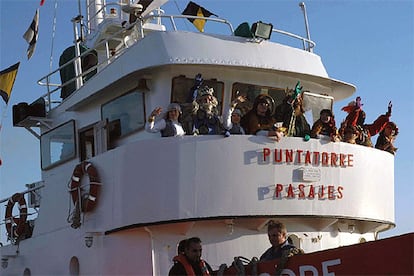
x,y
8,75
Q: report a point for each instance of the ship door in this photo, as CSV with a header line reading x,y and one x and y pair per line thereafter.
x,y
92,140
87,144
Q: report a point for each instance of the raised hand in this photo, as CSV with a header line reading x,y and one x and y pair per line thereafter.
x,y
389,108
239,99
157,111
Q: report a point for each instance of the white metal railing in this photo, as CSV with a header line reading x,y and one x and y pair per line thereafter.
x,y
303,39
30,190
136,27
174,25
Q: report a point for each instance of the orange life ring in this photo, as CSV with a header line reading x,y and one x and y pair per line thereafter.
x,y
91,198
15,232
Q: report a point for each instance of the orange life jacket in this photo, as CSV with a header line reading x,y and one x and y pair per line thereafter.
x,y
188,268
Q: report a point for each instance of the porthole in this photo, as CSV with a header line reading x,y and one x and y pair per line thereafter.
x,y
74,266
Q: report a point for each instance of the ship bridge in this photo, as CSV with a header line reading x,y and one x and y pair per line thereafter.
x,y
154,191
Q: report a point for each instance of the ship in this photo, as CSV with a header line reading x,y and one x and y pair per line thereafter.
x,y
114,199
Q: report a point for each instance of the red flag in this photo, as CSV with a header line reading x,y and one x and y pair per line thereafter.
x,y
42,2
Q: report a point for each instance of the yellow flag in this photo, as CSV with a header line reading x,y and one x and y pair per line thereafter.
x,y
196,10
199,23
7,78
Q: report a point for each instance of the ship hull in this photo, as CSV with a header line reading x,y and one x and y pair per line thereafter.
x,y
391,256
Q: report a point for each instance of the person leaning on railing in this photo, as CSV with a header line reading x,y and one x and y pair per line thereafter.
x,y
325,126
259,120
277,234
386,138
169,125
232,117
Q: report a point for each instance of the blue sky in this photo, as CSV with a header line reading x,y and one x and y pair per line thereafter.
x,y
367,43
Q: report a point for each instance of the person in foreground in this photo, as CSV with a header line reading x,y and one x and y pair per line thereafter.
x,y
277,234
190,261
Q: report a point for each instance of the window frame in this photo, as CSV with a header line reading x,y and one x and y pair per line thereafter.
x,y
43,151
183,99
113,121
248,104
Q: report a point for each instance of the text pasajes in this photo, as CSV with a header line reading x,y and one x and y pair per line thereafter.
x,y
301,191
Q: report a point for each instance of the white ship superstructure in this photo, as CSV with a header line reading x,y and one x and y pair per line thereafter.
x,y
152,191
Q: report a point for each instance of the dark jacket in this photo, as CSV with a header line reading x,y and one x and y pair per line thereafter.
x,y
271,253
297,126
169,129
252,123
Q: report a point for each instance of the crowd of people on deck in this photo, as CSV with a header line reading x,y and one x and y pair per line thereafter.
x,y
265,119
188,260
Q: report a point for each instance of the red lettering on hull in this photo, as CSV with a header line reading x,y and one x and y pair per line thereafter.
x,y
301,157
303,191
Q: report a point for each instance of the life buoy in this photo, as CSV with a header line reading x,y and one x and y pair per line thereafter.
x,y
15,232
89,202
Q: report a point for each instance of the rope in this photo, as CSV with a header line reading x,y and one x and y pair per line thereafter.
x,y
53,36
74,216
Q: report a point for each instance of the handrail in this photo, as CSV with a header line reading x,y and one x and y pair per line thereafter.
x,y
25,192
138,27
171,17
45,81
304,40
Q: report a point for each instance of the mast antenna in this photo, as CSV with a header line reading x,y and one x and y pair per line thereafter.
x,y
303,7
80,22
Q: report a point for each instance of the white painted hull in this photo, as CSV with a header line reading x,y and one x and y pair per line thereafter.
x,y
156,191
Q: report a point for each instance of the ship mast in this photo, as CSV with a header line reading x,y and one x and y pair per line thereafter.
x,y
94,13
303,7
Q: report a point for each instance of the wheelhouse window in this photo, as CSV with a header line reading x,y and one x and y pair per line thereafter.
x,y
182,91
313,104
125,114
58,145
251,91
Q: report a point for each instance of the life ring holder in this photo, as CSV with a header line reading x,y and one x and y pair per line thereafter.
x,y
15,232
89,200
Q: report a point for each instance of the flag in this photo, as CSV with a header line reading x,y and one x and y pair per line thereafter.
x,y
7,78
42,2
151,5
31,34
195,10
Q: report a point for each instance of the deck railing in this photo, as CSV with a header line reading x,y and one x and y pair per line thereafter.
x,y
51,80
